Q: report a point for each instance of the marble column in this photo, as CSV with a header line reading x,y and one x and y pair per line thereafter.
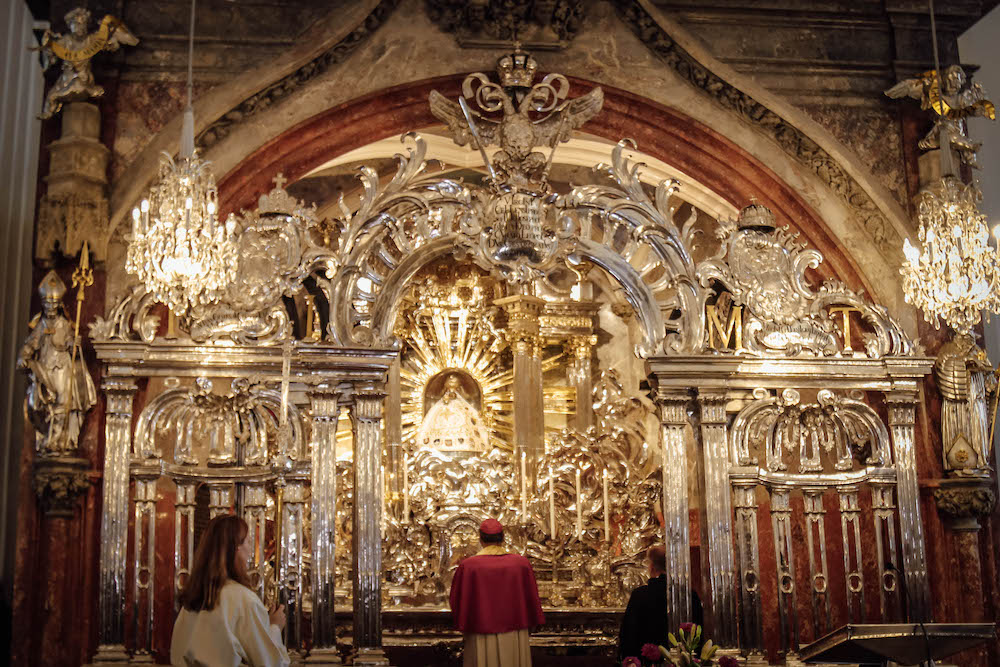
x,y
523,313
119,394
902,415
964,503
366,413
673,420
325,413
580,350
718,516
59,482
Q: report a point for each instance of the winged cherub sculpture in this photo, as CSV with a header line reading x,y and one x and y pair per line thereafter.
x,y
533,115
954,100
75,49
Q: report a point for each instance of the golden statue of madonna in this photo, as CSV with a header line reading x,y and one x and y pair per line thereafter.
x,y
452,423
75,49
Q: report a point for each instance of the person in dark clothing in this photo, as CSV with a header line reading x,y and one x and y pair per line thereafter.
x,y
645,620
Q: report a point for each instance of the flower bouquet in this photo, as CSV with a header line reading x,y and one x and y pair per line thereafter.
x,y
690,651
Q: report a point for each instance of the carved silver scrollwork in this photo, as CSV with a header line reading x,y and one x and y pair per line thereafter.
x,y
845,428
236,427
763,267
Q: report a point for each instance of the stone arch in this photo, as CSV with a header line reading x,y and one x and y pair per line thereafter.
x,y
696,112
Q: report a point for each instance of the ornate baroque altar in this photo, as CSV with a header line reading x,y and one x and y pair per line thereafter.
x,y
600,367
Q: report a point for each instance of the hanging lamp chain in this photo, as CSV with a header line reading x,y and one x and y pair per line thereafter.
x,y
187,131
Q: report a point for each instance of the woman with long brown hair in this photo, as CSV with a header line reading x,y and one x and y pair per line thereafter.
x,y
222,621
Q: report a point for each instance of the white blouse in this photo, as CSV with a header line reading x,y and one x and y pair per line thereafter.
x,y
237,632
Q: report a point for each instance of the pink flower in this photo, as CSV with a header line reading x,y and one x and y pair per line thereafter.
x,y
727,661
631,662
687,627
651,652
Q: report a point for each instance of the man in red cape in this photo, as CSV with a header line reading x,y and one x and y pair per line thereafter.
x,y
494,601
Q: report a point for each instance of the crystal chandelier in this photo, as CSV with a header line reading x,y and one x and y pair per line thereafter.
x,y
178,249
954,273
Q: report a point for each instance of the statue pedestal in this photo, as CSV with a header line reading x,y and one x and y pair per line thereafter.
x,y
323,656
109,655
75,205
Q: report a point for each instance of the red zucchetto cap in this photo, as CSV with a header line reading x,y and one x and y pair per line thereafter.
x,y
491,527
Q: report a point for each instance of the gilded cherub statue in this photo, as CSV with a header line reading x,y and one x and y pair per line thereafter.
x,y
518,131
953,101
60,390
964,379
75,49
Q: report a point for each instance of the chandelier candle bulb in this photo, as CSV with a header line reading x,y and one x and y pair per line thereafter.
x,y
579,506
607,511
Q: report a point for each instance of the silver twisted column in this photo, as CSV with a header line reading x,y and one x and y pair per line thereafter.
x,y
902,415
325,413
119,393
718,515
367,530
676,521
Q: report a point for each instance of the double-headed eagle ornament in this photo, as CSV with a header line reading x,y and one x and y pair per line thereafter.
x,y
533,115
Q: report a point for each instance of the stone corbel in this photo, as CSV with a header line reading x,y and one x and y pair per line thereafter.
x,y
59,483
965,502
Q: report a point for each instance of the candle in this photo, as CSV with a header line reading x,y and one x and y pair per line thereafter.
x,y
607,510
552,507
579,507
406,488
286,366
524,484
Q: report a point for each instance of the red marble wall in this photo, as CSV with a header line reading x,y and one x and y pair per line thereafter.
x,y
56,581
56,590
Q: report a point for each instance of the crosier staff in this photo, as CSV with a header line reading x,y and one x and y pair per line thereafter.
x,y
83,277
